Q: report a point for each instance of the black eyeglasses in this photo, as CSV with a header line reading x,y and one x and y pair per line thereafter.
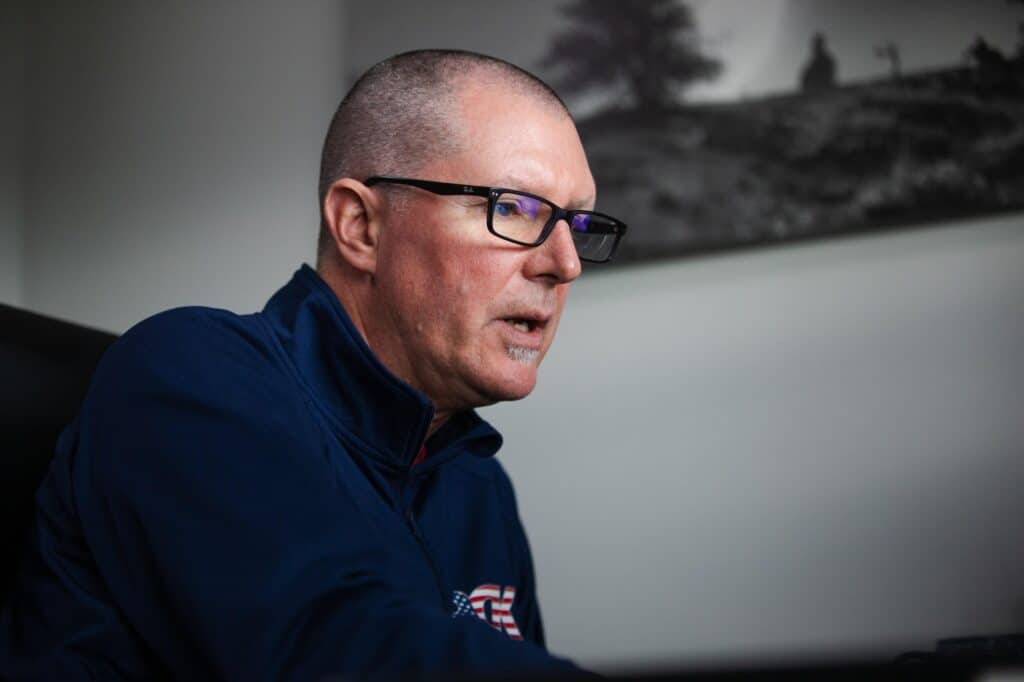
x,y
527,219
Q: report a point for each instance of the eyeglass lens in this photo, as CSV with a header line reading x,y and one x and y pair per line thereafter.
x,y
523,218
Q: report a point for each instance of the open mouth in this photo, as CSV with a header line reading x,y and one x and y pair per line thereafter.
x,y
523,324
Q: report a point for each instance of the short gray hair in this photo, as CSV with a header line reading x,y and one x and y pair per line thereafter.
x,y
398,115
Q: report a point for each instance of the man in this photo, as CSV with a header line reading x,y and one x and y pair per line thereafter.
x,y
307,491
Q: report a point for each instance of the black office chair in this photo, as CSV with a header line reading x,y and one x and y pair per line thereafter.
x,y
45,367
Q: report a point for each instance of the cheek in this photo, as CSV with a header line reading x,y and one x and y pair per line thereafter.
x,y
448,281
475,277
488,268
451,297
400,278
562,294
467,295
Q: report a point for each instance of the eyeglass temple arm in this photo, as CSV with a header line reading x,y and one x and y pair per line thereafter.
x,y
444,188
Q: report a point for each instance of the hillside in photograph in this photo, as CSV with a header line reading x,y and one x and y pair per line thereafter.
x,y
918,148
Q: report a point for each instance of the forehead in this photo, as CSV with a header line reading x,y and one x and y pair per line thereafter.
x,y
513,138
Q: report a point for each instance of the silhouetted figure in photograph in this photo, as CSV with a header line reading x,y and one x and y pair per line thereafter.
x,y
992,70
820,72
890,52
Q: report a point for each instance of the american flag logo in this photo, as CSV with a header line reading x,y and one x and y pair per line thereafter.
x,y
489,598
460,604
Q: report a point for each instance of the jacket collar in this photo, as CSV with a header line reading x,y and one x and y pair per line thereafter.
x,y
371,408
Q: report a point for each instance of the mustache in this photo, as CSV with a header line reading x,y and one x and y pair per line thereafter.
x,y
545,306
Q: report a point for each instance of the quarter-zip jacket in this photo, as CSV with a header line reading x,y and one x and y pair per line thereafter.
x,y
237,500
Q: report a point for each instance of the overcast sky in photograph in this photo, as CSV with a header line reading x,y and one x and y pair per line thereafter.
x,y
762,43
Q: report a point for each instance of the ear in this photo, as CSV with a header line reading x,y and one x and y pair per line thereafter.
x,y
352,214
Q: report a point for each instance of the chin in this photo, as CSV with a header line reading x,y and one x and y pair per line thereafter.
x,y
516,381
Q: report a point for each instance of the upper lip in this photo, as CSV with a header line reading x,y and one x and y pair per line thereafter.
x,y
535,316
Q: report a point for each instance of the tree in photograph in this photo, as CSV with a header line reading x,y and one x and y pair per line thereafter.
x,y
651,47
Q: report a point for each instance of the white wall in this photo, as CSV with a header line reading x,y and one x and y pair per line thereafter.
x,y
808,448
174,153
12,134
816,448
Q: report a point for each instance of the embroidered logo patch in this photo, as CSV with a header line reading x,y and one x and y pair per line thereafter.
x,y
491,604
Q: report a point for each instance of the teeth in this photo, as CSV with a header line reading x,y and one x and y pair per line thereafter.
x,y
521,325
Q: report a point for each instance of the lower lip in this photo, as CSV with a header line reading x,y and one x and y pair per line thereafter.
x,y
531,340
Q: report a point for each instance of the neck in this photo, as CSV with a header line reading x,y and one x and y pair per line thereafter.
x,y
348,290
437,422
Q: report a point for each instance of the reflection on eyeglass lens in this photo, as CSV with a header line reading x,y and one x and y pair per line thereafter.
x,y
509,206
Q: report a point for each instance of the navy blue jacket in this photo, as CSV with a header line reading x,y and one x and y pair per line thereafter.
x,y
237,499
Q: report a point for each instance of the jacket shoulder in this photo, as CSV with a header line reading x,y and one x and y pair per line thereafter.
x,y
194,393
190,345
194,328
197,361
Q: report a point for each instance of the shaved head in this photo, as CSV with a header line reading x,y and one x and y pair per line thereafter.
x,y
404,112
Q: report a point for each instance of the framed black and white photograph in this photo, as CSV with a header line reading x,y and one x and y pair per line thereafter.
x,y
714,124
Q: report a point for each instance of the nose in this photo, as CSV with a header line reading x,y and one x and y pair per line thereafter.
x,y
556,258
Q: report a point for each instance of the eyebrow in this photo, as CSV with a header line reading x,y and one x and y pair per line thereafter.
x,y
587,204
517,182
